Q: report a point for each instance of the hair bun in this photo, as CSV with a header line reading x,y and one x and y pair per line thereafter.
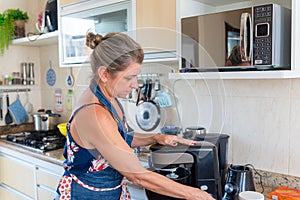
x,y
92,40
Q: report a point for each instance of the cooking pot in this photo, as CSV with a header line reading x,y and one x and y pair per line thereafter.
x,y
193,132
182,176
45,121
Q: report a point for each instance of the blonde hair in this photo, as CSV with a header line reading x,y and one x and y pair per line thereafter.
x,y
115,51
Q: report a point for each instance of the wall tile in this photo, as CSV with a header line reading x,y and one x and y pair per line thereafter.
x,y
261,133
294,139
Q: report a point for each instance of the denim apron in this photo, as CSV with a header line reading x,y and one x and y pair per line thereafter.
x,y
85,182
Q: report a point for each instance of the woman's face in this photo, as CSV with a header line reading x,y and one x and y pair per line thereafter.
x,y
121,84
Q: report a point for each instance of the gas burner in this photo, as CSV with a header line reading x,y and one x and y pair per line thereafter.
x,y
41,141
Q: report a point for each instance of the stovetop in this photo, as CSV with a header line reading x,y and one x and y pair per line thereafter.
x,y
40,141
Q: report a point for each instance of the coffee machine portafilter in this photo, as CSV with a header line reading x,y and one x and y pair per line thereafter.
x,y
196,166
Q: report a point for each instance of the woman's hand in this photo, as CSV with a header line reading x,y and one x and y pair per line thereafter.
x,y
199,194
172,140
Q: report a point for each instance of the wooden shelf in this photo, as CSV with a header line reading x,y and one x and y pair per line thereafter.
x,y
38,40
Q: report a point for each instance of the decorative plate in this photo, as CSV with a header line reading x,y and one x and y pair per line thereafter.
x,y
51,77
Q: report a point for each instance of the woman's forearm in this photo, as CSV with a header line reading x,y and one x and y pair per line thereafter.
x,y
162,185
141,139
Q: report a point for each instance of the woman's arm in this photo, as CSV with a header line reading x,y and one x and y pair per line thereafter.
x,y
95,128
140,139
162,185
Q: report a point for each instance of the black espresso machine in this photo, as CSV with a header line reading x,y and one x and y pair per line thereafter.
x,y
196,166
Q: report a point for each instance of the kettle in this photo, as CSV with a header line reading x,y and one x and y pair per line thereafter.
x,y
239,179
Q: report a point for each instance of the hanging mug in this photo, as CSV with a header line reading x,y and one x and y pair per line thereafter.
x,y
41,25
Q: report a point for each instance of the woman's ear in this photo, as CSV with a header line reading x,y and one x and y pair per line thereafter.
x,y
103,74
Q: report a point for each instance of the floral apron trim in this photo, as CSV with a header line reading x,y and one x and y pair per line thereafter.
x,y
65,188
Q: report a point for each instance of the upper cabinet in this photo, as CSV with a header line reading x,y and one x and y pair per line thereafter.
x,y
156,25
200,46
96,16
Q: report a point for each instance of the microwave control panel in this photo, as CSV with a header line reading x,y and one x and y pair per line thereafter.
x,y
262,37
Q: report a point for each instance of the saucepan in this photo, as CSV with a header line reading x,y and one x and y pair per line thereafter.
x,y
45,121
148,112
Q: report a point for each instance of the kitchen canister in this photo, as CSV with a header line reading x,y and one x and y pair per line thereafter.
x,y
251,195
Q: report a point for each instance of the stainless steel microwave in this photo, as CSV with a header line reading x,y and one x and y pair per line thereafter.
x,y
254,38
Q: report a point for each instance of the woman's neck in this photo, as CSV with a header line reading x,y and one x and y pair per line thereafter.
x,y
105,91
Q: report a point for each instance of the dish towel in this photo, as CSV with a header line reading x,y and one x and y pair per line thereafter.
x,y
18,111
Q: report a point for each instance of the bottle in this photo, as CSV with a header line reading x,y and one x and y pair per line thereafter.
x,y
70,100
58,101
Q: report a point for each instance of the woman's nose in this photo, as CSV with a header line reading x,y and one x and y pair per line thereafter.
x,y
134,84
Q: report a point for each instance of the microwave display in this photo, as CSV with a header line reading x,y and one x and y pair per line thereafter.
x,y
262,30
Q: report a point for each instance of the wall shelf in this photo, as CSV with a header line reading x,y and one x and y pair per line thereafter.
x,y
237,75
38,40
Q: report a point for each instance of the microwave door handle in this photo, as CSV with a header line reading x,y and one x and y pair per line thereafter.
x,y
246,37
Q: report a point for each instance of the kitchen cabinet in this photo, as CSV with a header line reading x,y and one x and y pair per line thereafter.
x,y
156,25
47,180
26,177
98,16
197,7
13,173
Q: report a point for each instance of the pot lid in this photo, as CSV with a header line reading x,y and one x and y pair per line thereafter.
x,y
147,116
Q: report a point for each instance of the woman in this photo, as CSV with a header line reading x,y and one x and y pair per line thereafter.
x,y
98,150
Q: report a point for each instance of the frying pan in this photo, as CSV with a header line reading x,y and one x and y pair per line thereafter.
x,y
148,113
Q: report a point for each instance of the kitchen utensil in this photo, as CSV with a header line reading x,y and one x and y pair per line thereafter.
x,y
148,113
18,112
69,79
50,75
28,106
8,117
1,107
31,73
62,128
44,121
24,73
140,85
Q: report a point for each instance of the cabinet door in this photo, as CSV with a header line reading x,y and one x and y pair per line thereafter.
x,y
45,193
17,174
47,177
156,24
6,194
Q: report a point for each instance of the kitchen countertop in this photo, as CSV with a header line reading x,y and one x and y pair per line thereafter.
x,y
54,156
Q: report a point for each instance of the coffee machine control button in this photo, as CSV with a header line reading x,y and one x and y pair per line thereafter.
x,y
230,188
204,187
